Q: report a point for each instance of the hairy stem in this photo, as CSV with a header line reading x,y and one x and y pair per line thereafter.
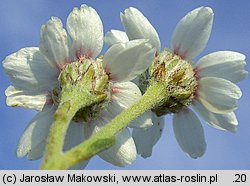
x,y
105,138
71,102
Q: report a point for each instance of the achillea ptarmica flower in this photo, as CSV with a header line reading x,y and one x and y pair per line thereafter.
x,y
207,85
66,56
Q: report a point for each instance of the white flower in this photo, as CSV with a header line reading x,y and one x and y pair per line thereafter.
x,y
216,96
139,27
34,74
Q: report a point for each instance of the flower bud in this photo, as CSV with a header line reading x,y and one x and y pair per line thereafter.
x,y
179,78
88,75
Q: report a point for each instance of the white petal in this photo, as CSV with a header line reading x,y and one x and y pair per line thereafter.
x,y
226,121
36,133
123,152
28,70
37,152
26,98
192,33
223,64
74,136
86,30
145,139
124,61
189,133
137,26
124,95
115,36
218,95
54,42
143,121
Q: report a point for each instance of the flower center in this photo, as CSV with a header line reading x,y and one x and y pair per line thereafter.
x,y
178,76
90,75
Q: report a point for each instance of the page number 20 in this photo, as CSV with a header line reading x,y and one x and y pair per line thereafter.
x,y
240,178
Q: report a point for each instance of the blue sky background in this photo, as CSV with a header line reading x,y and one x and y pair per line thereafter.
x,y
20,22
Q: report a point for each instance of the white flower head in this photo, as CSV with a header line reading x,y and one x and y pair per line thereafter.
x,y
214,94
34,73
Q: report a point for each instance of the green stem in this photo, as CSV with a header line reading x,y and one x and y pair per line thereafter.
x,y
105,138
71,102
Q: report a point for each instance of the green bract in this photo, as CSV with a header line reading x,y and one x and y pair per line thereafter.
x,y
179,78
